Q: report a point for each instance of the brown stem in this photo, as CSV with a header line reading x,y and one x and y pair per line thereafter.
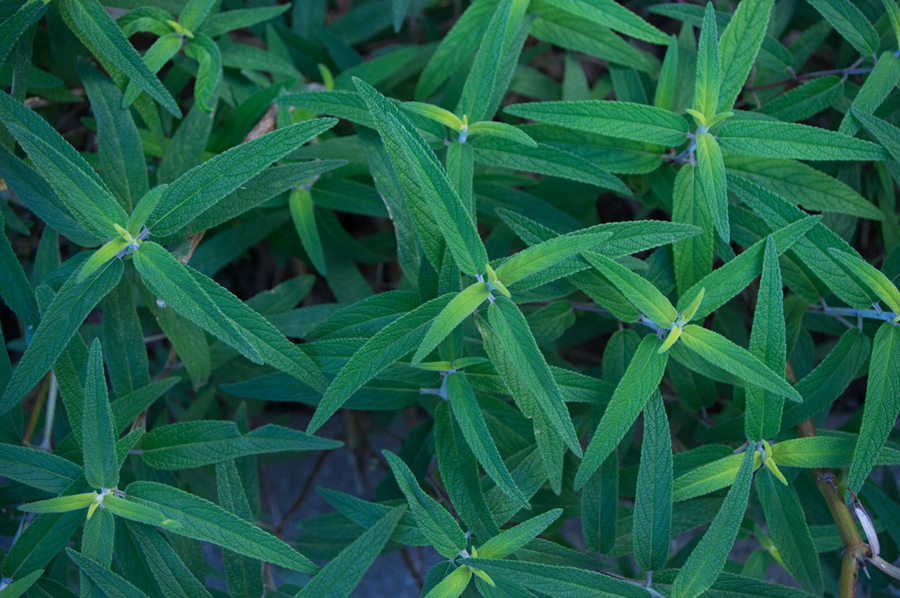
x,y
303,494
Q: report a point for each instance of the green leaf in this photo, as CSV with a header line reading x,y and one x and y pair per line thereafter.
x,y
851,23
14,287
511,540
515,337
768,343
384,348
548,253
79,187
883,131
787,526
107,252
435,113
879,84
338,578
807,100
202,520
615,16
557,581
640,382
217,24
304,219
91,21
453,585
24,16
193,444
709,79
544,159
668,75
416,164
162,50
771,139
98,432
710,477
194,13
111,584
637,289
722,353
803,185
242,575
203,186
711,176
882,404
693,257
467,412
434,520
502,131
457,310
59,323
653,501
625,120
118,143
37,468
126,509
707,559
60,504
20,586
739,46
878,282
835,450
209,75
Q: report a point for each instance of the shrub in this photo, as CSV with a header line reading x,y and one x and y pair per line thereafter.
x,y
617,315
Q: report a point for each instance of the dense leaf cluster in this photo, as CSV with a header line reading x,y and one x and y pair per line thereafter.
x,y
603,297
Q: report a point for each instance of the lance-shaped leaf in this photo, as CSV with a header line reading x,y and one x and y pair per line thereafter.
x,y
203,186
516,338
882,403
625,120
460,307
723,353
453,585
851,23
409,152
93,24
693,257
708,82
193,444
18,587
467,412
37,468
79,187
544,255
59,323
707,559
141,513
653,499
739,46
344,572
434,520
15,288
807,100
711,175
710,477
304,218
23,17
209,74
202,520
501,130
242,575
60,504
772,139
790,533
768,343
877,281
636,387
551,580
636,289
110,583
384,348
509,541
98,433
726,282
813,249
615,16
879,84
886,133
835,450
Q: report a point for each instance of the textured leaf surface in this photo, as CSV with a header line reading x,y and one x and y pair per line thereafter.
x,y
769,139
653,501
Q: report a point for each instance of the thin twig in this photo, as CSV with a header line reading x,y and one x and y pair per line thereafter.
x,y
279,529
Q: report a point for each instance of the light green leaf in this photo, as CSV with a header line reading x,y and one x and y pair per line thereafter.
x,y
548,253
835,450
615,16
637,289
202,520
189,444
467,412
722,353
640,382
707,559
203,186
787,526
60,504
434,520
304,218
879,84
551,580
435,113
107,252
209,75
511,540
91,21
381,350
453,585
503,131
709,79
807,100
851,23
625,120
653,499
338,578
877,281
419,166
771,139
459,308
882,404
516,338
133,511
710,477
739,46
98,432
883,131
59,323
693,257
665,87
711,175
